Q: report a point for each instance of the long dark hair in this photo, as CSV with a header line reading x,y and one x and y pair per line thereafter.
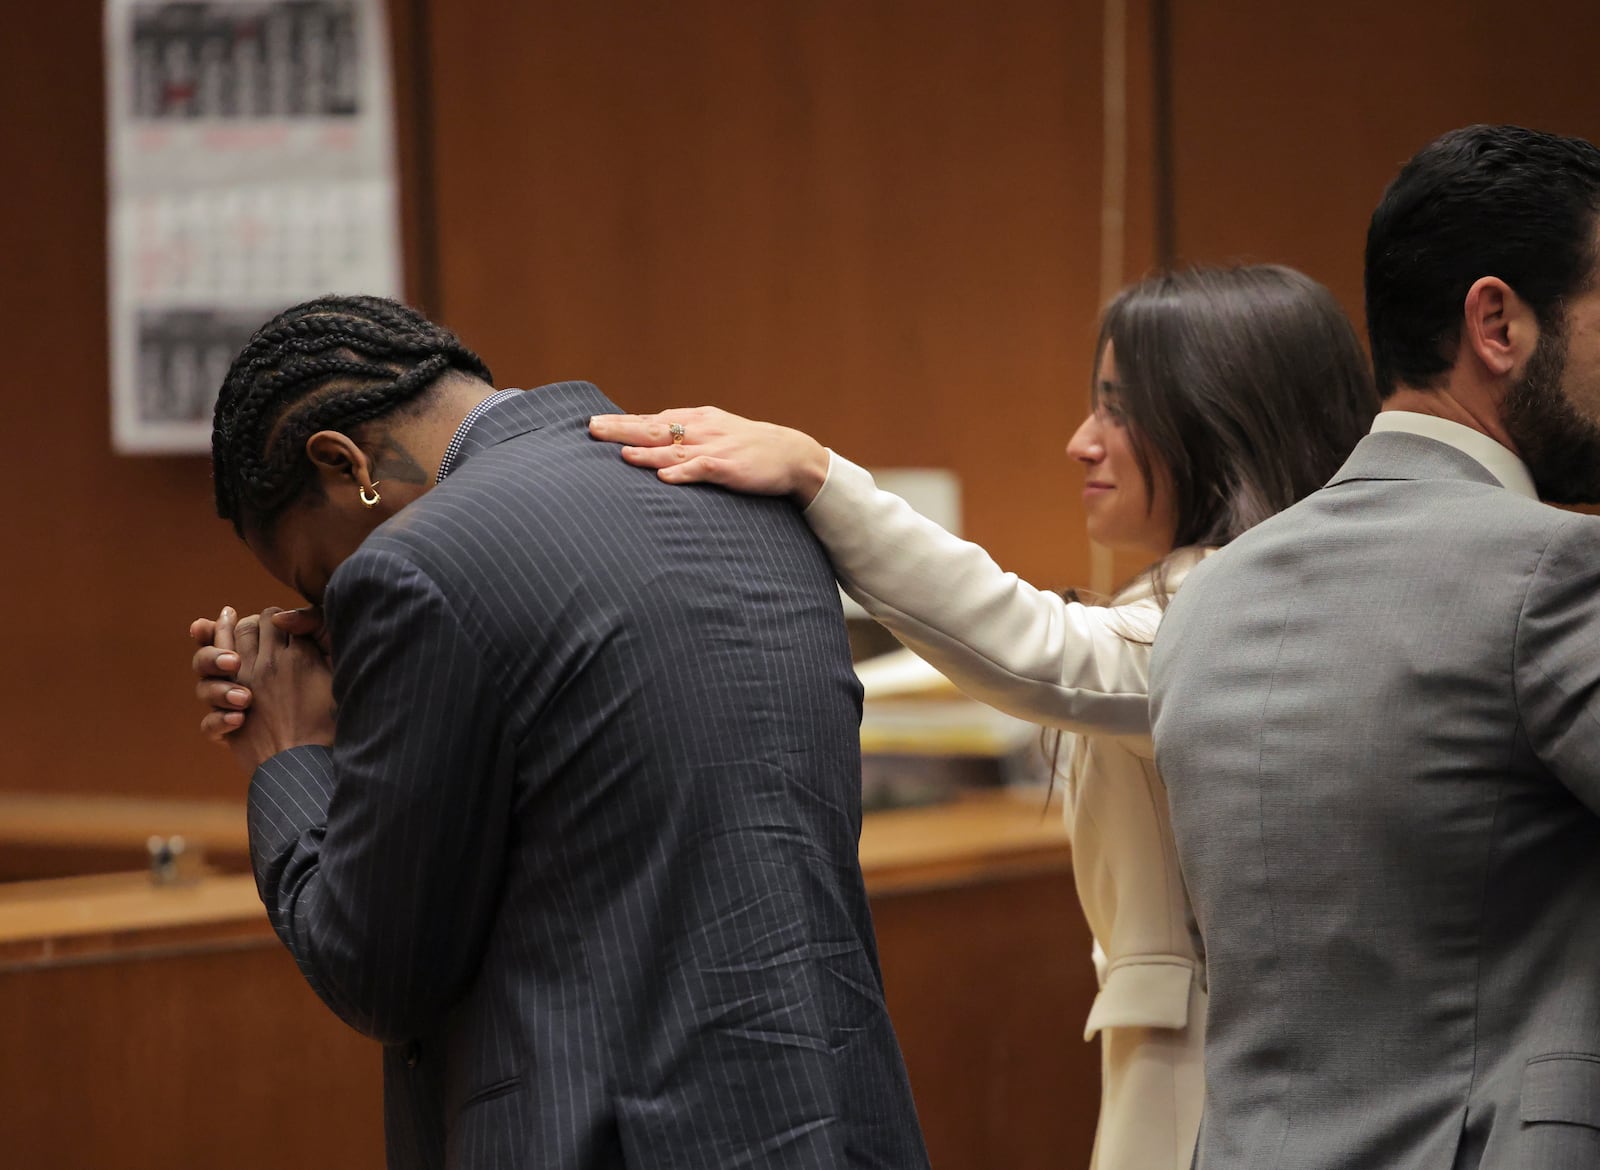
x,y
1243,389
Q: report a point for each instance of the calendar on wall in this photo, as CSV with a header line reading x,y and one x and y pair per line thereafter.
x,y
251,156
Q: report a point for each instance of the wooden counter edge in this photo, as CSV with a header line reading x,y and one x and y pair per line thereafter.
x,y
81,919
980,837
78,820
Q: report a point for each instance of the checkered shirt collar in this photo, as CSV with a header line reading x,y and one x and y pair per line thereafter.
x,y
453,451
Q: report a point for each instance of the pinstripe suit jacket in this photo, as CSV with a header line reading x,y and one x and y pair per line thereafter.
x,y
583,855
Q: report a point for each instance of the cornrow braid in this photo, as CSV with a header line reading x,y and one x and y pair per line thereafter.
x,y
328,364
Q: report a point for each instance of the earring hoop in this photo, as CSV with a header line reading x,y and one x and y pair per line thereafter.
x,y
371,502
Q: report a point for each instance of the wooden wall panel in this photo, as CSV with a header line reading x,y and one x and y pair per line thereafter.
x,y
879,221
106,558
1290,119
876,221
221,1058
989,983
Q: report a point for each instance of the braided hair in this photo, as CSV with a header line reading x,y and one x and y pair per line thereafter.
x,y
328,364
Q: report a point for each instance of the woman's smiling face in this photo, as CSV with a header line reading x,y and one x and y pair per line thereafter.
x,y
1123,512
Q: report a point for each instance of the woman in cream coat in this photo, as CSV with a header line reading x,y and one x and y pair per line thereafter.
x,y
1220,397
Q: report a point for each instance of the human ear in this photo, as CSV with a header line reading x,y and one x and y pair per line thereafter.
x,y
1499,328
340,462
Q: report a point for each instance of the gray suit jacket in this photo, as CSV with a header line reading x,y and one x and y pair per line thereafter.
x,y
1378,717
584,854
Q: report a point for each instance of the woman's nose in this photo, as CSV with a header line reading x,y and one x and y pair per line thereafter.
x,y
1085,445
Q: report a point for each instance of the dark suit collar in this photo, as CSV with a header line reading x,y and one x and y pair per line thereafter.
x,y
1402,455
559,402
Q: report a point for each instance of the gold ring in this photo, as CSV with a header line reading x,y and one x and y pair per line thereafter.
x,y
676,431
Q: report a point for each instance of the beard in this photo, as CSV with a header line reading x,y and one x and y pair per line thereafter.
x,y
1559,443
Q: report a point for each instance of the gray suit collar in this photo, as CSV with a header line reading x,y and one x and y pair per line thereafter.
x,y
1402,455
555,404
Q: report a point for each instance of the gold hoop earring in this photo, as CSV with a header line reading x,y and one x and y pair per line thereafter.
x,y
371,502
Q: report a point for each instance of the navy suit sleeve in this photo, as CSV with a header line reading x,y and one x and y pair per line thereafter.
x,y
1558,658
379,861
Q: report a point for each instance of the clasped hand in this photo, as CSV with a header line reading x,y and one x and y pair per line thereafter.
x,y
266,680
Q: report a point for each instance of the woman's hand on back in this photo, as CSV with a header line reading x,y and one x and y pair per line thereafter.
x,y
708,445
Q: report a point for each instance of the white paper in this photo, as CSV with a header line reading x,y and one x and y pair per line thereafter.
x,y
251,156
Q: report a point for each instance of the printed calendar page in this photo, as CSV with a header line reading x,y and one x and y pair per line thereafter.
x,y
252,167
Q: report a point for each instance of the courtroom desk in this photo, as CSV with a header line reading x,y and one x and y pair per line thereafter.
x,y
167,1028
49,835
987,972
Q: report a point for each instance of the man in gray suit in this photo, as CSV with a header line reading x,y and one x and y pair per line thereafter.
x,y
1378,715
579,846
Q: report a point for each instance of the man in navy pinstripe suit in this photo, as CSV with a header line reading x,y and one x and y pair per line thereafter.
x,y
579,844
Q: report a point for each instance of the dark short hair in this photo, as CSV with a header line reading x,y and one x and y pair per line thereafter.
x,y
1481,201
332,363
1247,386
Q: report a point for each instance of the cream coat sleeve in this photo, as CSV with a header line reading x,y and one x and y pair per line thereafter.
x,y
1024,650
